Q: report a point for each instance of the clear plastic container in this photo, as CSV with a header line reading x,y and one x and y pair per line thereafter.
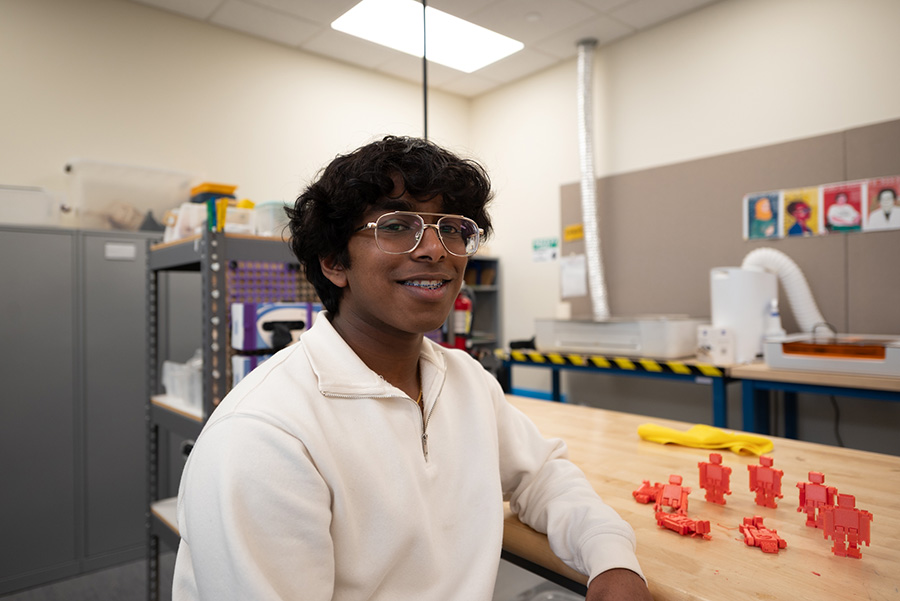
x,y
271,219
184,380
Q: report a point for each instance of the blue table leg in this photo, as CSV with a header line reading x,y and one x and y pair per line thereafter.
x,y
790,415
755,405
720,403
557,389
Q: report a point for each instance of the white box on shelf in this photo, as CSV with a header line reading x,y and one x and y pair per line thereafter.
x,y
253,325
662,337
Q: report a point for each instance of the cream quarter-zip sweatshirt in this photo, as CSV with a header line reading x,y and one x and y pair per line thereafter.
x,y
316,479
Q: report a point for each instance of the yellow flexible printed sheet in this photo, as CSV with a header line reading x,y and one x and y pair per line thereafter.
x,y
702,436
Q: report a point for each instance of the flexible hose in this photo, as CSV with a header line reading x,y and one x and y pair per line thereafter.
x,y
793,282
596,282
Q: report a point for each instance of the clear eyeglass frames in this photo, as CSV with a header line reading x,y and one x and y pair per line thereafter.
x,y
399,232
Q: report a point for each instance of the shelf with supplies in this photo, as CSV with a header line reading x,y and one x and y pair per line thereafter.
x,y
483,284
233,269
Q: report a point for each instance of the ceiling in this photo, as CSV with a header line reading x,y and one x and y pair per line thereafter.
x,y
550,30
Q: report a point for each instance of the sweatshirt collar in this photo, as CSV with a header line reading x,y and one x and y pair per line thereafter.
x,y
340,371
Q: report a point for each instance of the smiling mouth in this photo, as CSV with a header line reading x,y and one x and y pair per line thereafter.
x,y
426,284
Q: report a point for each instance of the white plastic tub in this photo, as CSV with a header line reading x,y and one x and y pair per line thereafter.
x,y
661,337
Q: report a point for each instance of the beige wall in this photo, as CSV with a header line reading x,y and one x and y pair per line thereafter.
x,y
736,75
119,81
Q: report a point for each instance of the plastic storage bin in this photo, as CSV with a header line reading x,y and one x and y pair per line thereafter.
x,y
271,220
184,381
661,337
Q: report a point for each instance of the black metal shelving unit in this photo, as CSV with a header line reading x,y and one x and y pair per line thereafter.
x,y
482,279
216,256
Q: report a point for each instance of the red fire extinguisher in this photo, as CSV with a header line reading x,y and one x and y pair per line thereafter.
x,y
462,320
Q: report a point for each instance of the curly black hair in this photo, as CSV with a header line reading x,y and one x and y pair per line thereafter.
x,y
326,213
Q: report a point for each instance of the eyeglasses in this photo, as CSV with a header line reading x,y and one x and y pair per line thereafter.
x,y
400,232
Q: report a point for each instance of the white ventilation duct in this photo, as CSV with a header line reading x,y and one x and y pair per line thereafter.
x,y
793,283
596,283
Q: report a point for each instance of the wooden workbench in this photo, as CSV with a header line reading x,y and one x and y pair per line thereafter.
x,y
758,380
606,446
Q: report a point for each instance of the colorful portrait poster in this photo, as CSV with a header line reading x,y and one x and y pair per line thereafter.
x,y
882,207
842,206
761,215
800,207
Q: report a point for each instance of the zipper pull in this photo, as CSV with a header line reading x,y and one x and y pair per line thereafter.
x,y
425,444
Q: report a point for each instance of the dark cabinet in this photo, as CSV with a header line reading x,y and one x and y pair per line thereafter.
x,y
72,411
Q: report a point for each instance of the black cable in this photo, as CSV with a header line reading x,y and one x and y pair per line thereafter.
x,y
424,71
837,419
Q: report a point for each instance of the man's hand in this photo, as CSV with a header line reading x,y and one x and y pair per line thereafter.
x,y
618,585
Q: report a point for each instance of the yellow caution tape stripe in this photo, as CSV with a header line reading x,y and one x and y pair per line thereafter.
x,y
614,363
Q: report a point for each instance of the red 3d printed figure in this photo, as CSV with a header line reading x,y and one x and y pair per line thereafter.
x,y
647,493
757,535
814,496
766,482
675,495
714,479
847,526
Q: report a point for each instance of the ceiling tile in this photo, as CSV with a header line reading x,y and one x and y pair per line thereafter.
x,y
549,28
642,14
531,20
461,8
606,5
322,12
516,66
263,23
195,9
348,48
409,68
564,45
468,85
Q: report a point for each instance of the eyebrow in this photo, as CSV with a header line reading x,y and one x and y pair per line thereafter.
x,y
392,204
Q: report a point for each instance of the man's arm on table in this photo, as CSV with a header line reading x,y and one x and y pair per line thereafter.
x,y
618,584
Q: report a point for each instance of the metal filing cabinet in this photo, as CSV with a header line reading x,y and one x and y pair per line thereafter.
x,y
72,410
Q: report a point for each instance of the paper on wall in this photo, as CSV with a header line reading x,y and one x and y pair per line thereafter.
x,y
573,275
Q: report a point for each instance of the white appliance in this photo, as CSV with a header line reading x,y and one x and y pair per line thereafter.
x,y
868,354
658,337
743,301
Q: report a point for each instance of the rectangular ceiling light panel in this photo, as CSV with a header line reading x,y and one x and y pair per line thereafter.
x,y
452,42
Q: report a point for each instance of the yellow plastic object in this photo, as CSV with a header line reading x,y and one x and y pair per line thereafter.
x,y
221,208
702,436
245,203
213,188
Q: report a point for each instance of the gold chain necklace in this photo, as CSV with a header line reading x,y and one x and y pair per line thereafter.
x,y
419,381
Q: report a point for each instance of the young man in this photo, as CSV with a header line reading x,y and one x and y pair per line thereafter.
x,y
367,462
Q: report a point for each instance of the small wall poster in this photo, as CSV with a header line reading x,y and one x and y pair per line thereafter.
x,y
842,206
544,249
882,208
761,215
801,211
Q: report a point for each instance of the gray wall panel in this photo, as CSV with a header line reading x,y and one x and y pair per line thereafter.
x,y
663,229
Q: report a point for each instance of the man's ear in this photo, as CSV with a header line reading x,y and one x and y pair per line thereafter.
x,y
334,270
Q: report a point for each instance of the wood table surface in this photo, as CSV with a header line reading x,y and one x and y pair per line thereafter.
x,y
761,371
606,446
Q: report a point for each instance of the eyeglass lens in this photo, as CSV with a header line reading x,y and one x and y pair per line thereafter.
x,y
398,233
